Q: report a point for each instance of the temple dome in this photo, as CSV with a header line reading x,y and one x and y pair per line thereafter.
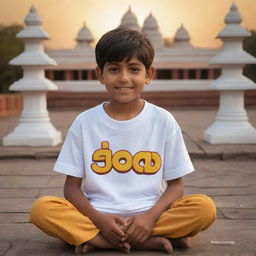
x,y
233,16
150,23
182,34
182,39
151,31
129,20
32,17
84,35
84,38
33,27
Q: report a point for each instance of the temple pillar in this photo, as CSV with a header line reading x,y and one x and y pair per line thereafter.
x,y
211,74
175,74
198,74
34,127
51,74
185,74
68,75
231,125
89,74
80,75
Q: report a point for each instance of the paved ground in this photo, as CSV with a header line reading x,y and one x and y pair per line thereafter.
x,y
227,173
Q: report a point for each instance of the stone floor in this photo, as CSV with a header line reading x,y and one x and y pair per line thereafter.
x,y
227,173
231,184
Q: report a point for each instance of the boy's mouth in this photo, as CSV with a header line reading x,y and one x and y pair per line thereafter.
x,y
123,88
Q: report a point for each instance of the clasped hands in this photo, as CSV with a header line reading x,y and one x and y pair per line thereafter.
x,y
135,231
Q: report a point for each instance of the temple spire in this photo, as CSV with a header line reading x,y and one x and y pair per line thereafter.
x,y
34,128
129,20
151,30
232,125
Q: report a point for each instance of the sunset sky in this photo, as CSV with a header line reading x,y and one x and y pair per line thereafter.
x,y
62,19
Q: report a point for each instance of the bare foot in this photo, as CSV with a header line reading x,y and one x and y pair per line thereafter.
x,y
84,248
125,247
99,242
157,243
183,242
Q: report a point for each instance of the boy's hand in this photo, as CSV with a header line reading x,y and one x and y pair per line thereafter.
x,y
110,227
139,228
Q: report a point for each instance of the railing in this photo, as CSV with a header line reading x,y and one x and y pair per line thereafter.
x,y
10,104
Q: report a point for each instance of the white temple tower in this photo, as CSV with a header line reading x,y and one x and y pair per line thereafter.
x,y
151,31
84,39
231,125
34,128
182,38
130,21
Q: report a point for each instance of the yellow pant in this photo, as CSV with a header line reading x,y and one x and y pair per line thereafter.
x,y
59,218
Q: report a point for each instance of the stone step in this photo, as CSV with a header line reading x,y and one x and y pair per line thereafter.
x,y
166,99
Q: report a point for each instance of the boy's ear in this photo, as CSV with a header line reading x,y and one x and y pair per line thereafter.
x,y
150,74
99,73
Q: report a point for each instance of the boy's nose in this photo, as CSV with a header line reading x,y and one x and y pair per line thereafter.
x,y
124,76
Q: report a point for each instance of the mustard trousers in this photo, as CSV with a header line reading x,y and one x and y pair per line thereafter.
x,y
57,217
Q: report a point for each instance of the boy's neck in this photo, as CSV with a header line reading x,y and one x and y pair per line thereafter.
x,y
124,111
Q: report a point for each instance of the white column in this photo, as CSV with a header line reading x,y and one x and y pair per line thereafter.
x,y
231,124
34,128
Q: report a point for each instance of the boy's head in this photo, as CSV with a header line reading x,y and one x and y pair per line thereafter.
x,y
121,44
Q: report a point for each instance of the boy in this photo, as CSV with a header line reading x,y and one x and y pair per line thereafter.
x,y
125,149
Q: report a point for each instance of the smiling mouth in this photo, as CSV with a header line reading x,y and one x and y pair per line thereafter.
x,y
124,88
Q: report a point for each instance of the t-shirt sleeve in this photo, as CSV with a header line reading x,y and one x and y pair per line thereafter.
x,y
177,162
70,160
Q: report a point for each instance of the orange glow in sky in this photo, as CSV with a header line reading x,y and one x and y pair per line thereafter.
x,y
62,19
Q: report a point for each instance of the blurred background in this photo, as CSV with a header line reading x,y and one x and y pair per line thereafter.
x,y
62,19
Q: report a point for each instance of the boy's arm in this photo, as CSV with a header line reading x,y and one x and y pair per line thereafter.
x,y
140,226
107,223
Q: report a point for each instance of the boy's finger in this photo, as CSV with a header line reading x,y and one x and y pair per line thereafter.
x,y
118,230
114,239
132,235
120,220
129,231
129,221
138,238
144,239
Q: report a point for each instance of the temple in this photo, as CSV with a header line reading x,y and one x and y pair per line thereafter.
x,y
183,78
180,60
181,68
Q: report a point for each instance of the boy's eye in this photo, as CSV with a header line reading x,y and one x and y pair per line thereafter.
x,y
113,69
135,69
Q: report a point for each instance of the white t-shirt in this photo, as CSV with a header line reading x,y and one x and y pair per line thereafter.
x,y
124,162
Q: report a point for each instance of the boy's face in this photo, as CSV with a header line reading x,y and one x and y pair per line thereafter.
x,y
125,81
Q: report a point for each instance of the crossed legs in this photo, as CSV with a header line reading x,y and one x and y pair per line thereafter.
x,y
185,218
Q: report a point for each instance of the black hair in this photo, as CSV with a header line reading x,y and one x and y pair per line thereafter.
x,y
122,44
